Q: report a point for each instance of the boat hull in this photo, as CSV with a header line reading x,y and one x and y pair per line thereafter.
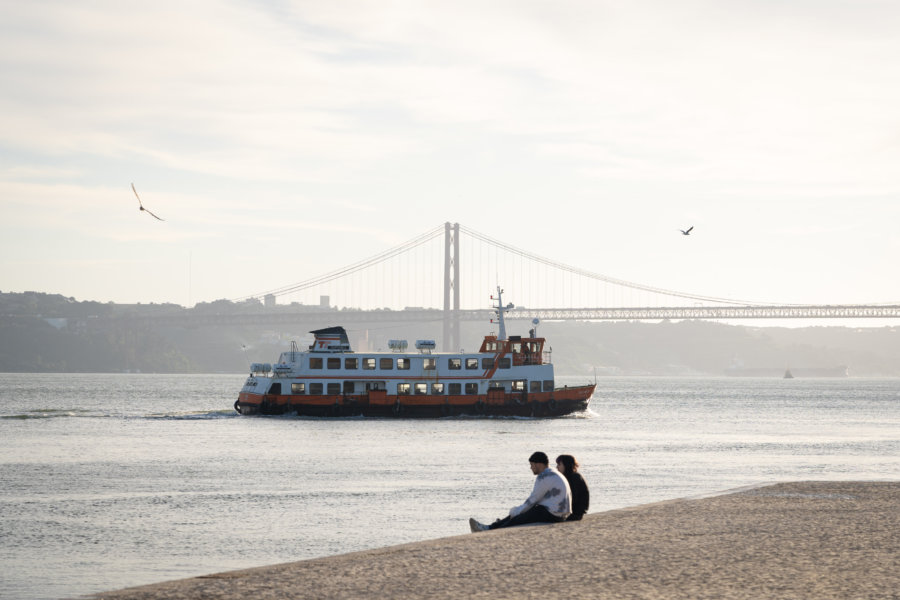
x,y
497,403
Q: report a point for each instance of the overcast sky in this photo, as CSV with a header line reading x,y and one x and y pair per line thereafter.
x,y
281,140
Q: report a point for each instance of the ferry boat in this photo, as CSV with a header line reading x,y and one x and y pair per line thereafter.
x,y
508,376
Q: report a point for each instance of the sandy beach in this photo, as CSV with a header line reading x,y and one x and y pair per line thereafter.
x,y
788,540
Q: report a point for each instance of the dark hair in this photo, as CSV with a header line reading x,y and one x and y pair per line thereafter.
x,y
568,462
539,457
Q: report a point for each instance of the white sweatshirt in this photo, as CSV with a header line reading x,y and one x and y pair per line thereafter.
x,y
551,490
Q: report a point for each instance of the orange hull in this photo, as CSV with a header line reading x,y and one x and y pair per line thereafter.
x,y
556,403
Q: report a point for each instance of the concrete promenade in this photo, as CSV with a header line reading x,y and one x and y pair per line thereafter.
x,y
815,540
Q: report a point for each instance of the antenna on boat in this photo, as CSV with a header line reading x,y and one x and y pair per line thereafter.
x,y
500,309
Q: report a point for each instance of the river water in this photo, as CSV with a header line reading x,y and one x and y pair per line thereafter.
x,y
109,481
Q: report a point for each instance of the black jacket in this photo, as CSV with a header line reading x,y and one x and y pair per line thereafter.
x,y
581,497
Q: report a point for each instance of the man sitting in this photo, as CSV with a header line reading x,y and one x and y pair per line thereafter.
x,y
550,500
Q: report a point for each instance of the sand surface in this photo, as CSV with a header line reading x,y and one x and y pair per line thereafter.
x,y
790,540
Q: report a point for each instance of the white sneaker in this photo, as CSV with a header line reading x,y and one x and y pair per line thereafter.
x,y
475,526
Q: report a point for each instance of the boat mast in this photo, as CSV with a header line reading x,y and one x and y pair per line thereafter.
x,y
500,309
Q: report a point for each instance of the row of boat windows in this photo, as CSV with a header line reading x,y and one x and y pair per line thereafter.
x,y
418,389
403,364
514,347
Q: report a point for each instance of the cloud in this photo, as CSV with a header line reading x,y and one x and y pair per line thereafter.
x,y
272,122
232,90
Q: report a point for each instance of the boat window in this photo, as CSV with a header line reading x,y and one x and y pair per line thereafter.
x,y
368,364
548,385
421,389
495,385
504,363
516,347
437,388
334,388
535,386
454,364
349,387
454,389
351,363
471,363
487,363
491,346
298,388
334,363
471,388
315,388
315,363
403,389
430,364
518,385
402,364
386,364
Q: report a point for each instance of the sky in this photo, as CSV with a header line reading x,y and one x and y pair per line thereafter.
x,y
280,140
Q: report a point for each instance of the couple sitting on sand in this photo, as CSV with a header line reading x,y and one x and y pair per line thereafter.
x,y
558,495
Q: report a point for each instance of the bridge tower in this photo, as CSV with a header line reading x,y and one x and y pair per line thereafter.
x,y
451,341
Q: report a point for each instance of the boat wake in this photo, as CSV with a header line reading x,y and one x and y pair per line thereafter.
x,y
193,415
90,414
50,413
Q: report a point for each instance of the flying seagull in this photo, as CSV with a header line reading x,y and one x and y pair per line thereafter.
x,y
683,231
141,204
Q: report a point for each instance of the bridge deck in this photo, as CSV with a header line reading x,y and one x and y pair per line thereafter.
x,y
279,316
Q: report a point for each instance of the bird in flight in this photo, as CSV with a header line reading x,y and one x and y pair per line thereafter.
x,y
683,231
141,204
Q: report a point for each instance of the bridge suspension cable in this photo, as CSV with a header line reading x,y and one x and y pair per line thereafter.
x,y
350,269
596,276
432,234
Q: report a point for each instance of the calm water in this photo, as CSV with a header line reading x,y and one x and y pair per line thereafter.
x,y
109,481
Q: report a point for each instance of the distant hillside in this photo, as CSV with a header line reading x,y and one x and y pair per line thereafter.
x,y
708,348
51,333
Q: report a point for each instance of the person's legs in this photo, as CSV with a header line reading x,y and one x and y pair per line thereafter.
x,y
504,522
536,514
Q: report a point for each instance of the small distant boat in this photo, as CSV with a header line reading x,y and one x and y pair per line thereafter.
x,y
801,372
508,376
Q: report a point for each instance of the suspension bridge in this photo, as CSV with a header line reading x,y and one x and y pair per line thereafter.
x,y
420,280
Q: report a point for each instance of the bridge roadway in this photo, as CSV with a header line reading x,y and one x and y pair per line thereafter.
x,y
340,317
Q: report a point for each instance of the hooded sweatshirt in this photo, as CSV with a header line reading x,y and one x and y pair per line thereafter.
x,y
550,490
